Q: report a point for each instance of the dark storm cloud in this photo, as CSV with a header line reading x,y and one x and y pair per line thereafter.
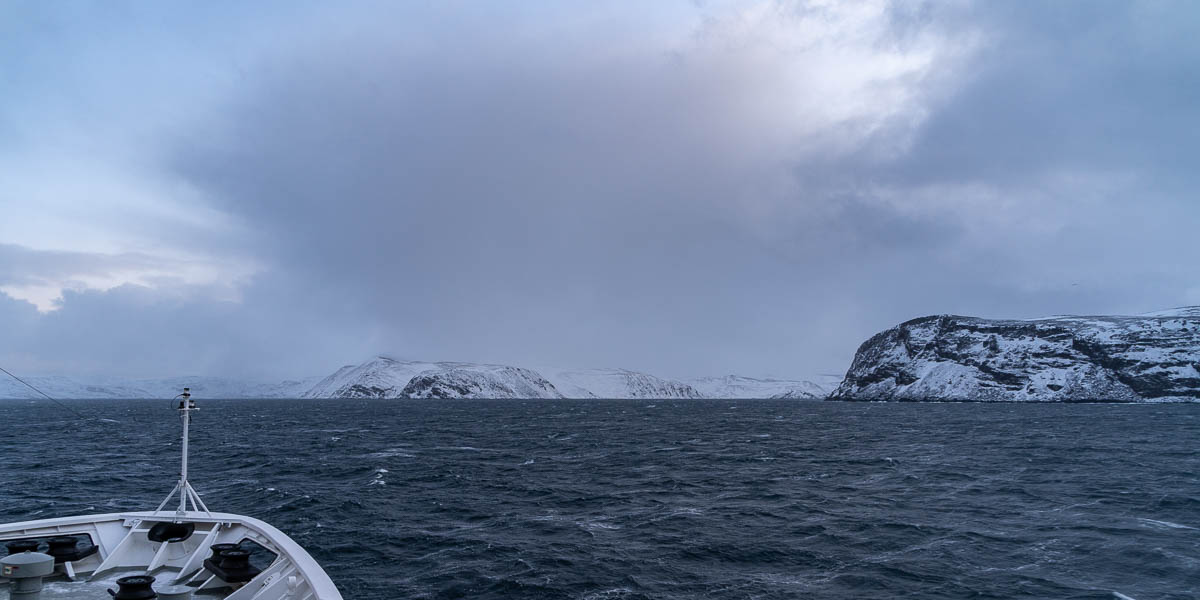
x,y
176,328
522,204
1069,85
756,194
516,203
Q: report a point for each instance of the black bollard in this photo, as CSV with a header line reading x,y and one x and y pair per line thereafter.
x,y
19,546
62,547
217,549
235,561
136,587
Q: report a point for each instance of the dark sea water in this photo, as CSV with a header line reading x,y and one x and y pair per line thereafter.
x,y
638,499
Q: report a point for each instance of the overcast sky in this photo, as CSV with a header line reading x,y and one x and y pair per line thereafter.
x,y
686,188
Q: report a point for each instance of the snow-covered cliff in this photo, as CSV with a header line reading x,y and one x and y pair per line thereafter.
x,y
736,386
1152,357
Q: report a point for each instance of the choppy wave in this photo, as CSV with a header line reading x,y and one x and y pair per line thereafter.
x,y
615,499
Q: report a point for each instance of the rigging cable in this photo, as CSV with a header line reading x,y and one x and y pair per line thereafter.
x,y
47,396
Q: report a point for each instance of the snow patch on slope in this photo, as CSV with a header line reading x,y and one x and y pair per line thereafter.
x,y
618,383
738,387
59,386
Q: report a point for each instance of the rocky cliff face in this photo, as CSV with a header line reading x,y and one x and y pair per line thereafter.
x,y
1154,357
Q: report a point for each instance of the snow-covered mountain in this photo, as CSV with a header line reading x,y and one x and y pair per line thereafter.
x,y
617,383
383,377
377,378
58,386
1152,357
736,386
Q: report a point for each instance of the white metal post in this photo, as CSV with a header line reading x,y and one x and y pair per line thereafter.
x,y
186,492
185,408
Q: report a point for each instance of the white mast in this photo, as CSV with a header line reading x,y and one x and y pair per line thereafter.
x,y
186,406
186,492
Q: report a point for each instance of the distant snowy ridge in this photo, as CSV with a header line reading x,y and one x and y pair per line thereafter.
x,y
738,387
1151,357
383,377
57,386
618,383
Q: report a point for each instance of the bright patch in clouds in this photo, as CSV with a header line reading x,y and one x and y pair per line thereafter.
x,y
824,77
80,222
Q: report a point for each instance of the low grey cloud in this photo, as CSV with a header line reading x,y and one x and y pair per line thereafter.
x,y
20,265
756,189
271,331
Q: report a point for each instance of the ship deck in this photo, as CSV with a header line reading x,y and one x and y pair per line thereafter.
x,y
117,545
58,587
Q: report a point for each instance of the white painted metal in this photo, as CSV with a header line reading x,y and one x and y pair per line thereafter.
x,y
185,410
293,575
198,555
186,492
124,547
